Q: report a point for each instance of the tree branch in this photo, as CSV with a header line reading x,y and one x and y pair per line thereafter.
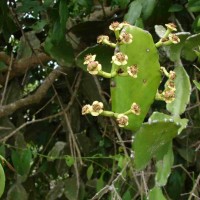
x,y
20,66
34,98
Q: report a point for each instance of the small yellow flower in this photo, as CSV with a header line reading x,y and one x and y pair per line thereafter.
x,y
171,27
86,109
172,75
94,67
119,59
97,108
174,38
135,108
116,26
122,120
171,85
125,24
102,39
168,95
132,71
89,58
126,38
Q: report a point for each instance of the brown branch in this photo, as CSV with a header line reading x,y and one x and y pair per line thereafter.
x,y
20,66
31,99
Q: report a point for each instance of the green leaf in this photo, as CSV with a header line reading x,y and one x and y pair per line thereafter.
x,y
2,180
162,117
63,13
160,30
69,161
164,167
73,191
176,8
17,192
55,152
194,6
134,12
174,51
150,139
196,84
147,8
3,66
60,50
22,160
156,194
182,94
90,171
191,43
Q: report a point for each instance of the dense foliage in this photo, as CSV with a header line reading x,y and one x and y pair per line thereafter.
x,y
48,149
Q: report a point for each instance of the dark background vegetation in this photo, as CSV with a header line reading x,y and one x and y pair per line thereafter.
x,y
57,153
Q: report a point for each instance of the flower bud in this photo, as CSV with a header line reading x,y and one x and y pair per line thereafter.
x,y
94,67
102,39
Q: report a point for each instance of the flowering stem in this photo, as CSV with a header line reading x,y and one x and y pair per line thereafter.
x,y
127,112
109,114
106,74
165,71
159,43
117,35
110,44
168,31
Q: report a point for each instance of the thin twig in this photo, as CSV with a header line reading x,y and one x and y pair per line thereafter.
x,y
7,79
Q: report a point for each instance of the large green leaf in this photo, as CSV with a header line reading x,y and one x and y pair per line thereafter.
x,y
164,167
182,94
156,194
141,90
2,180
150,140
